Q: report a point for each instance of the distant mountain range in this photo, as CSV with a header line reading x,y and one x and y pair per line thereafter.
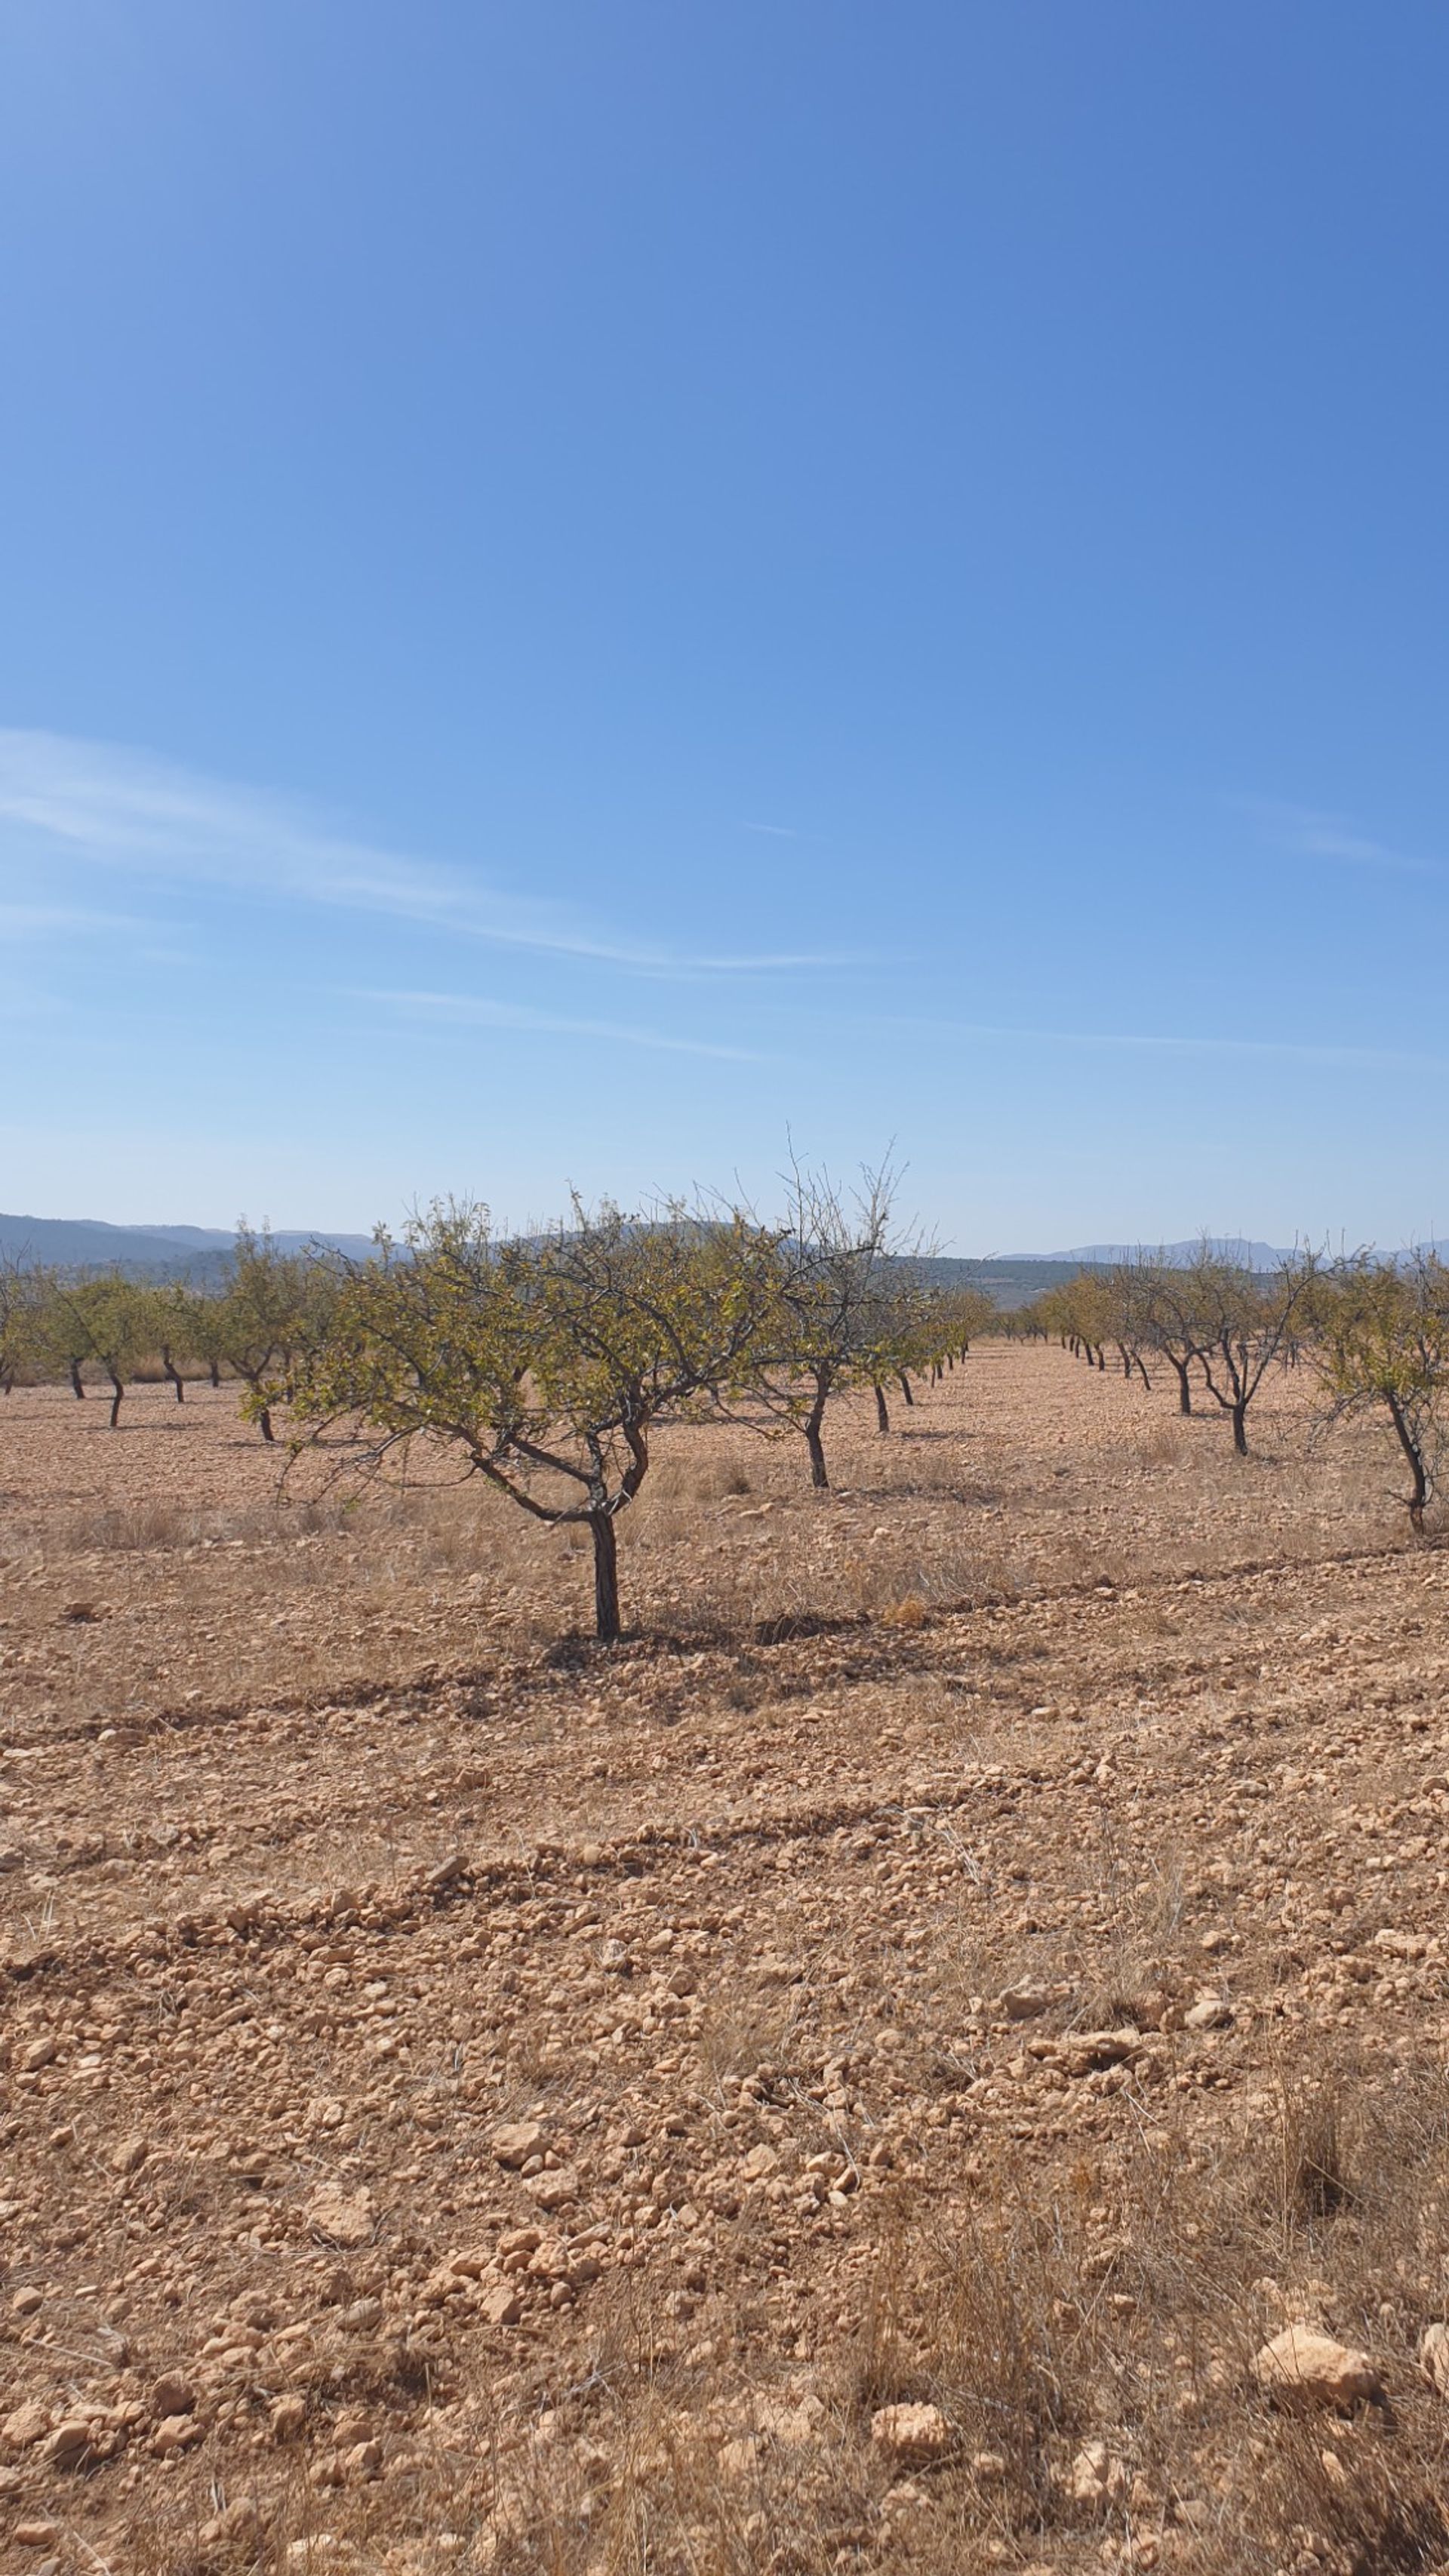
x,y
1228,1247
201,1253
161,1251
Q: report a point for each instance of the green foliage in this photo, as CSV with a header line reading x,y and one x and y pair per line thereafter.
x,y
273,1307
1381,1341
102,1319
544,1364
845,1307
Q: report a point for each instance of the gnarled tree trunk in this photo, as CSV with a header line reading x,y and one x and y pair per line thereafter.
x,y
606,1577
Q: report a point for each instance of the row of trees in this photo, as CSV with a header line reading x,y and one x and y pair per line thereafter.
x,y
1375,1334
544,1364
65,1326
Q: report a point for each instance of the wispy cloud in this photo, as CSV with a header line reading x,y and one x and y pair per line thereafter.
x,y
122,809
776,831
1142,1042
479,1011
1313,835
60,921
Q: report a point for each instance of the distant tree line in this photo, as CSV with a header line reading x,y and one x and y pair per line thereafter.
x,y
1374,1332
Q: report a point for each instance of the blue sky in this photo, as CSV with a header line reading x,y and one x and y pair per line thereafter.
x,y
586,586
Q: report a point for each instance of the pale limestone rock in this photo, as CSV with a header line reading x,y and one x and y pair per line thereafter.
x,y
911,2436
1301,2368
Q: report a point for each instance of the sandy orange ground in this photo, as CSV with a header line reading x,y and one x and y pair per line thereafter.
x,y
948,2007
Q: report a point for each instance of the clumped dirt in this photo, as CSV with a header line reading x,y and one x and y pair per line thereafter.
x,y
851,2078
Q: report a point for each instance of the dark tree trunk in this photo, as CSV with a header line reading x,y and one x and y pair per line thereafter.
x,y
264,1425
118,1389
216,1372
816,1447
1184,1386
75,1381
606,1577
174,1373
905,1386
882,1412
1240,1428
1414,1455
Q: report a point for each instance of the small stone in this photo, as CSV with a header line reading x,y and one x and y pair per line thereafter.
x,y
1434,2355
501,2307
517,2140
171,2394
28,2425
1096,2475
363,2461
177,2433
130,2155
287,2418
470,2265
1402,1945
239,2521
1023,2003
72,2443
1211,2012
739,2458
25,2303
1301,2368
36,2535
344,2218
911,2436
41,2052
554,2190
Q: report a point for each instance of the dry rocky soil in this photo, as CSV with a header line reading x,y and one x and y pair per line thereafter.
x,y
932,2054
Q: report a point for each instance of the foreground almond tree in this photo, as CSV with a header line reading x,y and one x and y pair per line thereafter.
x,y
542,1365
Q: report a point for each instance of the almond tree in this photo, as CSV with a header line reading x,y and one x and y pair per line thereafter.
x,y
844,1308
544,1365
1382,1343
1170,1320
18,1307
262,1320
56,1333
205,1328
1245,1320
173,1324
104,1318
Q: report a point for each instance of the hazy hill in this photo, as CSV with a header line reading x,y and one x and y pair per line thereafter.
x,y
1229,1247
161,1251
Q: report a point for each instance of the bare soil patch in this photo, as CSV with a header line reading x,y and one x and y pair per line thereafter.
x,y
850,2078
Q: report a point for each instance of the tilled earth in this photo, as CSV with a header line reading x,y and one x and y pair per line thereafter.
x,y
833,2087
